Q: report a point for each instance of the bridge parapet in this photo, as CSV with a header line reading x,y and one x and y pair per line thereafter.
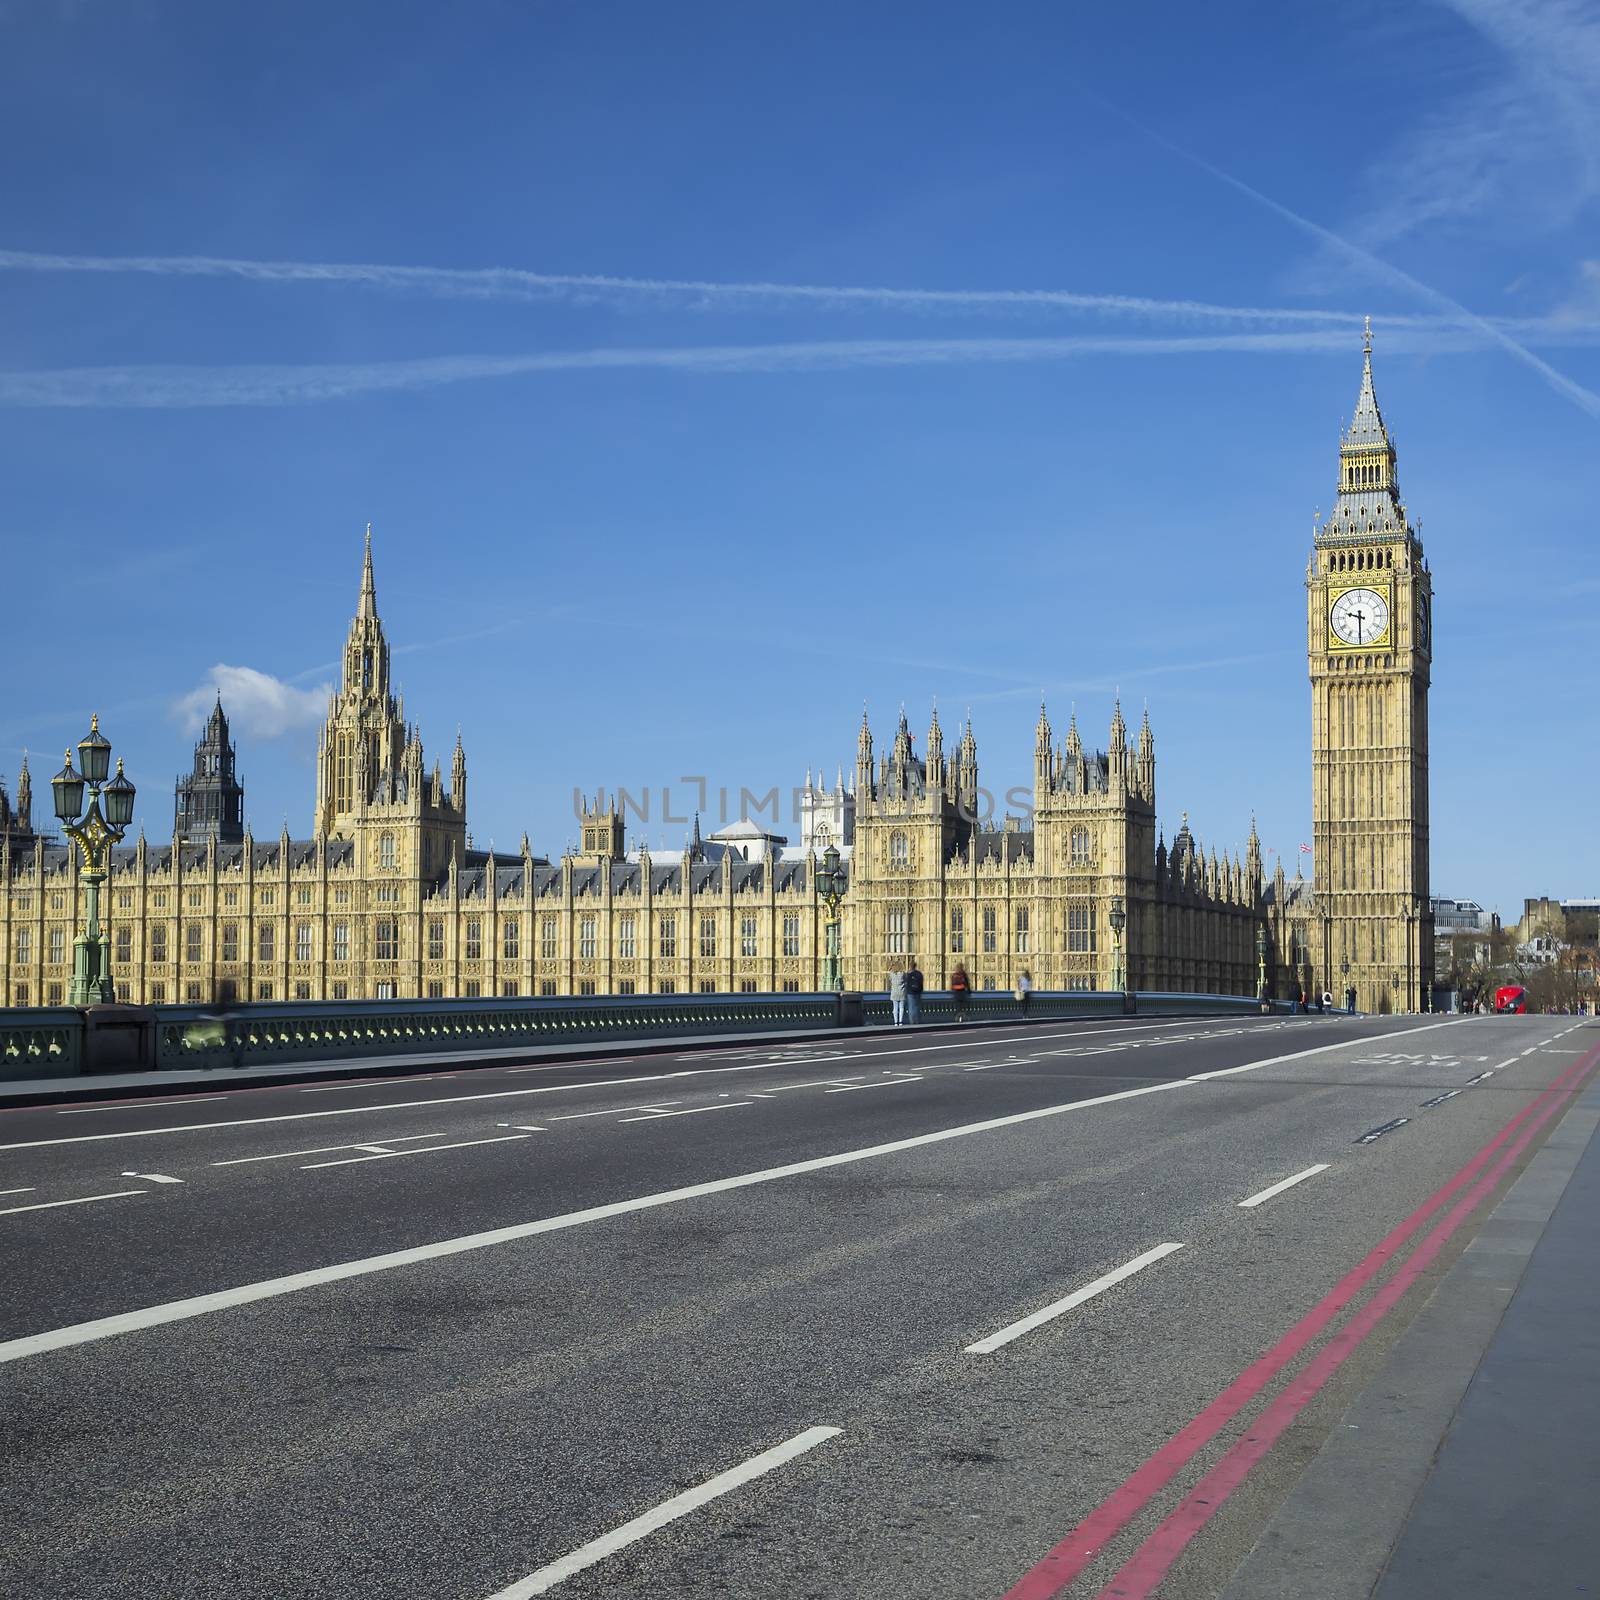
x,y
62,1041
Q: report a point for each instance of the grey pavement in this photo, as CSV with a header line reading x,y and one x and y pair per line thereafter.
x,y
1510,1505
439,1335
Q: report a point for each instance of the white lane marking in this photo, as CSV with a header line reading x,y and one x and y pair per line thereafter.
x,y
1287,1183
49,1205
1020,1061
521,1127
504,1094
1481,1076
374,1149
1372,1135
324,1149
152,1177
578,1116
270,1288
140,1105
693,1111
986,1347
652,1521
27,1188
392,1155
882,1083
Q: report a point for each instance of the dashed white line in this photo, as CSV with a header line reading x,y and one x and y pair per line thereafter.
x,y
152,1177
27,1188
1287,1183
394,1155
1015,1330
680,1505
82,1200
882,1083
323,1149
578,1116
693,1111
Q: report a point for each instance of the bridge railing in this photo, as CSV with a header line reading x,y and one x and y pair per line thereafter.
x,y
60,1041
41,1042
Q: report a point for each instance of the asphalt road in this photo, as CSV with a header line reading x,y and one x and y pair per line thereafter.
x,y
486,1334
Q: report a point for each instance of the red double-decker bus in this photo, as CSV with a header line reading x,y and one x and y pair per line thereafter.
x,y
1511,997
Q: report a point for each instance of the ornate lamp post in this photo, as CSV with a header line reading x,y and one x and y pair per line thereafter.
x,y
1119,920
94,835
1344,972
1261,970
830,890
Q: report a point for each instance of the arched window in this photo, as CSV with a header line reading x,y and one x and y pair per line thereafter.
x,y
1080,844
899,850
386,851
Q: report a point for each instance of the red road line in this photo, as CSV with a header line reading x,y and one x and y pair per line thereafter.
x,y
1067,1559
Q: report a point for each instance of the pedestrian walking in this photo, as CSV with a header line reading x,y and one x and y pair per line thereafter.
x,y
897,997
914,983
1024,990
960,991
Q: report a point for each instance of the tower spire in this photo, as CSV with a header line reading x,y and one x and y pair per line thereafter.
x,y
369,590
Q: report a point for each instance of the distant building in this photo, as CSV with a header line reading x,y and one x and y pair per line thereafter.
x,y
16,821
209,802
1461,916
827,816
747,840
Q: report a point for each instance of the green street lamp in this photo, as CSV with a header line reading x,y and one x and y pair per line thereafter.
x,y
94,835
1119,920
831,879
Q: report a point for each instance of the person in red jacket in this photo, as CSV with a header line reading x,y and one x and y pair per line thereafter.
x,y
960,989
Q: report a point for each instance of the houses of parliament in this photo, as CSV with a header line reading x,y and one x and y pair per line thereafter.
x,y
387,898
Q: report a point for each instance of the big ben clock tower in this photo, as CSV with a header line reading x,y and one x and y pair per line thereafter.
x,y
1370,645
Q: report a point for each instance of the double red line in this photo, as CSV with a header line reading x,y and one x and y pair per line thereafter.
x,y
1139,1577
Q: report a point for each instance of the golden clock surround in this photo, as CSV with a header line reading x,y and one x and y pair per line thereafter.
x,y
1384,641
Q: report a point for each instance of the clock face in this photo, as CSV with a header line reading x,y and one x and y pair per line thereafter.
x,y
1359,616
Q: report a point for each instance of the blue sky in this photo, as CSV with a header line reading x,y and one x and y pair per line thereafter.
x,y
555,296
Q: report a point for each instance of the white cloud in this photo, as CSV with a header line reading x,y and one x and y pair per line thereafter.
x,y
1522,139
256,703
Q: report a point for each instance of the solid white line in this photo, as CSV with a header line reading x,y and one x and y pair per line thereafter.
x,y
578,1116
140,1105
47,1205
27,1188
505,1094
1288,1183
323,1149
693,1111
393,1155
680,1505
987,1347
269,1288
369,1083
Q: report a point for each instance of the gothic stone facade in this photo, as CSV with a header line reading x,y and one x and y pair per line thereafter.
x,y
387,899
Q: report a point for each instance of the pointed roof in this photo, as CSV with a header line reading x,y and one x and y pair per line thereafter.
x,y
1366,430
368,606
